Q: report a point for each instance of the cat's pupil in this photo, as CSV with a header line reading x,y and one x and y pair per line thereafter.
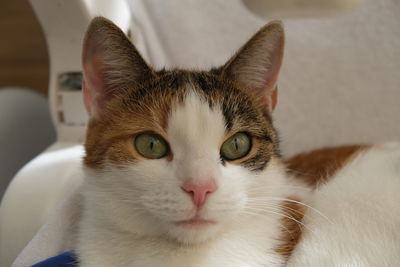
x,y
236,144
152,143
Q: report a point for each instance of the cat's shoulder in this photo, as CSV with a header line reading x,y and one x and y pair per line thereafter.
x,y
358,213
319,166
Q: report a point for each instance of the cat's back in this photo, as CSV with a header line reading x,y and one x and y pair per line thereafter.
x,y
359,224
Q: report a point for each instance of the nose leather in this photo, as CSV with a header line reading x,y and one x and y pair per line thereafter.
x,y
199,192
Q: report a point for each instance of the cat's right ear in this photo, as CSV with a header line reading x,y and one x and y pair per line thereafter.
x,y
110,61
255,67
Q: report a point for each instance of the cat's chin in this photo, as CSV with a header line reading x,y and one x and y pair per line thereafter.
x,y
195,222
194,231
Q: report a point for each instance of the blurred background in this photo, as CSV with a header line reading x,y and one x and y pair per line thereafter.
x,y
23,53
24,78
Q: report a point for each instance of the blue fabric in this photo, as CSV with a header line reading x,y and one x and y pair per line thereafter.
x,y
67,259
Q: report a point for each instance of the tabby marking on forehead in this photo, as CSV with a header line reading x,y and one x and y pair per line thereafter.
x,y
242,113
148,109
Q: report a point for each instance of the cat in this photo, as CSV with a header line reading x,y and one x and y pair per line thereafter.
x,y
182,168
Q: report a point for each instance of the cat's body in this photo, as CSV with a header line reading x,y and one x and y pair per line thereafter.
x,y
183,167
360,207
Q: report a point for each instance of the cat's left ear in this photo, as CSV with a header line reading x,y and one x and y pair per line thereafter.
x,y
256,65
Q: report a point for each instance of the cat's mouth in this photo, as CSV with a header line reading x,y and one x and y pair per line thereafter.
x,y
195,221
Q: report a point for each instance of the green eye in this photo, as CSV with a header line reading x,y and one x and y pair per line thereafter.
x,y
151,146
237,146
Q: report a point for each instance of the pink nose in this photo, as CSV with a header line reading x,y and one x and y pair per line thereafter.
x,y
199,192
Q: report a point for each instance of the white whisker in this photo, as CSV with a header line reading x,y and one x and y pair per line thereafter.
x,y
258,199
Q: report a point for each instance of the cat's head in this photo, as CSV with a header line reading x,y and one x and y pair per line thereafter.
x,y
178,153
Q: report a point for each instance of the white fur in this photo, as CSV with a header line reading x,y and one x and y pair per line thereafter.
x,y
129,213
362,208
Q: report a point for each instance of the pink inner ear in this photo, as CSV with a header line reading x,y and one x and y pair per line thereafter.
x,y
94,85
86,97
270,100
274,98
257,65
271,77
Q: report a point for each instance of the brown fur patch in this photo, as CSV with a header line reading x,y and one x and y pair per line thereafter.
x,y
130,112
291,226
318,166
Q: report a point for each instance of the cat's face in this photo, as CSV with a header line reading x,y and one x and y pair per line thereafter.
x,y
178,153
